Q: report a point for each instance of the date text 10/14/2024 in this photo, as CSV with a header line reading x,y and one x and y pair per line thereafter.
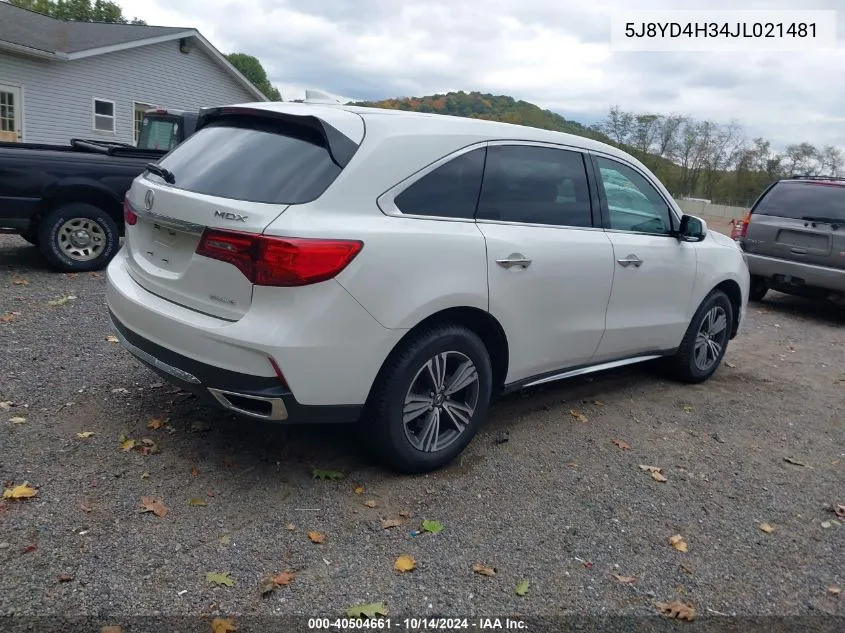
x,y
417,624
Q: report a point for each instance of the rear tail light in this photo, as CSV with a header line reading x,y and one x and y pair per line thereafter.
x,y
129,216
741,228
279,261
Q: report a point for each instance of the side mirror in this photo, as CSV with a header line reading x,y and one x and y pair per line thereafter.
x,y
692,229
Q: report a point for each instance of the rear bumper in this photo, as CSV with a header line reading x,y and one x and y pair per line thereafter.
x,y
259,397
785,273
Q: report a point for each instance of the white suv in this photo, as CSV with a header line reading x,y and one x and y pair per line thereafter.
x,y
330,263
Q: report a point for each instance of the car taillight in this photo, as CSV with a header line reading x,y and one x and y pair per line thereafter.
x,y
741,228
129,216
279,261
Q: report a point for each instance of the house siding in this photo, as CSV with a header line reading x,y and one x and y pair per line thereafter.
x,y
58,95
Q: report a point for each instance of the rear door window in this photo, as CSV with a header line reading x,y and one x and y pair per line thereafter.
x,y
258,160
797,200
535,185
158,133
450,190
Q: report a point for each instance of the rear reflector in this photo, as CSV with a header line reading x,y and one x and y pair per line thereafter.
x,y
279,261
129,216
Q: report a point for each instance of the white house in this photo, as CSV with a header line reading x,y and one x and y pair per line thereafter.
x,y
61,79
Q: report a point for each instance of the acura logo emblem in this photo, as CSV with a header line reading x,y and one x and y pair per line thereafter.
x,y
149,197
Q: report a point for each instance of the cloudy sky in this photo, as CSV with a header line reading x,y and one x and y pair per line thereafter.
x,y
555,53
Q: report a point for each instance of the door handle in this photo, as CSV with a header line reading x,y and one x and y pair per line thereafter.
x,y
514,259
630,260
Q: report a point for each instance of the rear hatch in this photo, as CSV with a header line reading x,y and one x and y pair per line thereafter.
x,y
219,190
800,220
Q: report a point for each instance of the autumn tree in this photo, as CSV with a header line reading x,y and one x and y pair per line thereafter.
x,y
252,69
78,10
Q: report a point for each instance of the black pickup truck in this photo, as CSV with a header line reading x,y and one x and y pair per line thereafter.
x,y
68,199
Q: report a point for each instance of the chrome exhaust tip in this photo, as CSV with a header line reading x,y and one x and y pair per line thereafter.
x,y
252,406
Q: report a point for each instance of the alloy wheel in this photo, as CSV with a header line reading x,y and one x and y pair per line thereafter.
x,y
711,338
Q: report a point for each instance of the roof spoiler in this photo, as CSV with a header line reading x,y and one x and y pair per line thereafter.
x,y
341,147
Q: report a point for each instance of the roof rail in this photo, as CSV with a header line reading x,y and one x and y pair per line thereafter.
x,y
833,178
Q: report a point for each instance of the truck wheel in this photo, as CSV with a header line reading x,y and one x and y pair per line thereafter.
x,y
78,237
759,288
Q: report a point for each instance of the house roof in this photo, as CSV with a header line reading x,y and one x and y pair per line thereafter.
x,y
32,33
43,33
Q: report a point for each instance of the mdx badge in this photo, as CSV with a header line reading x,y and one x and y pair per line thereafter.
x,y
228,215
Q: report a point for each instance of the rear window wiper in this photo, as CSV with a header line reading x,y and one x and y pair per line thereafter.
x,y
815,218
158,170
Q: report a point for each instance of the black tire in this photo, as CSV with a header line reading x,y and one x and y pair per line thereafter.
x,y
682,365
387,431
100,228
29,236
758,289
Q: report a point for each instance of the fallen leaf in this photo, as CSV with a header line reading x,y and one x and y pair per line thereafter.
x,y
196,501
731,365
326,474
61,301
290,527
686,570
483,570
578,415
266,585
17,420
29,549
84,435
111,338
225,539
109,628
677,610
71,275
840,511
285,578
522,588
688,408
156,423
127,445
678,543
20,282
386,524
370,503
219,578
358,490
622,445
598,403
194,471
8,317
21,491
65,577
120,390
317,537
433,527
658,476
6,405
150,504
834,591
650,469
405,563
827,524
625,580
220,625
85,508
147,447
145,475
791,460
768,529
405,514
370,610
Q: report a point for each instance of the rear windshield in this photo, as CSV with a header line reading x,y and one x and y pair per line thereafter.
x,y
258,160
158,133
797,200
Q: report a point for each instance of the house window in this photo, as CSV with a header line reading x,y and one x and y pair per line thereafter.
x,y
140,108
104,116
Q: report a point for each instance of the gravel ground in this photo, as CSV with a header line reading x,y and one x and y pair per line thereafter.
x,y
558,504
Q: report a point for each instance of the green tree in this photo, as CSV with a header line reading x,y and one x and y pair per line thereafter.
x,y
252,69
79,10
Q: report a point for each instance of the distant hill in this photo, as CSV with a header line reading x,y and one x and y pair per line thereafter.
x,y
492,107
